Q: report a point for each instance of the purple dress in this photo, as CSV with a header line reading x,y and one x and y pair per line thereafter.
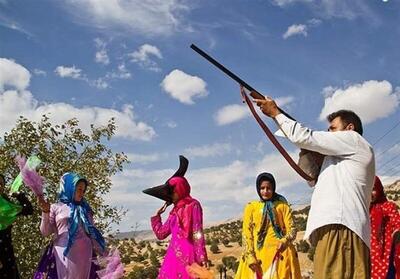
x,y
77,264
181,251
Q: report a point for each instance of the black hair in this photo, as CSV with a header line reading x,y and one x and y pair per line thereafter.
x,y
347,117
265,176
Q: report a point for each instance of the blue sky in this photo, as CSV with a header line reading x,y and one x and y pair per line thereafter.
x,y
131,60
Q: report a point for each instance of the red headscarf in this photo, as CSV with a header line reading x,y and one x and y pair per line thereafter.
x,y
184,206
380,194
376,210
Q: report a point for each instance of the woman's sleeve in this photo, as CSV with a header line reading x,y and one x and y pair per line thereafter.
x,y
248,235
289,227
339,143
160,230
98,250
393,213
48,223
198,235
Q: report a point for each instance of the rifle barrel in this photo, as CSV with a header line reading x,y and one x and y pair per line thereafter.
x,y
255,93
222,67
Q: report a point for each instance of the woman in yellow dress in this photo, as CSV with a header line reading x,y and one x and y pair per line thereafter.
x,y
268,233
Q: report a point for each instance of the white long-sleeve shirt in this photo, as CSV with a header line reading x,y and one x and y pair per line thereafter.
x,y
342,193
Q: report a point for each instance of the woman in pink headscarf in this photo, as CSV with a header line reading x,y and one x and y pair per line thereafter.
x,y
185,225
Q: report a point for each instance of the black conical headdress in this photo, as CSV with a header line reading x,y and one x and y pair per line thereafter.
x,y
164,191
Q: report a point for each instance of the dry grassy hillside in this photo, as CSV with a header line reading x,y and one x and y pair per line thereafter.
x,y
223,242
142,258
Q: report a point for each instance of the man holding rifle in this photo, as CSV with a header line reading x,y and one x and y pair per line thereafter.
x,y
338,223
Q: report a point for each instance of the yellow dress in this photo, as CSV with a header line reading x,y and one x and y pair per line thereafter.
x,y
288,266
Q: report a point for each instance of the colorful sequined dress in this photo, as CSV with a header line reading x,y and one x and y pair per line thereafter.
x,y
184,249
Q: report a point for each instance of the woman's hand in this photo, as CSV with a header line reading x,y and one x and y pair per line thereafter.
x,y
43,204
162,209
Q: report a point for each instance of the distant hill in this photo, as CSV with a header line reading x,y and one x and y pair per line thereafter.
x,y
149,235
138,235
142,253
395,186
393,191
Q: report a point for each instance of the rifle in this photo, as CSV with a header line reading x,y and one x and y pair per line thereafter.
x,y
311,163
253,92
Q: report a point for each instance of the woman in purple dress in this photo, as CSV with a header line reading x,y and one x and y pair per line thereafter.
x,y
75,237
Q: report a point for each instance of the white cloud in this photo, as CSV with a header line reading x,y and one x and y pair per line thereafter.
x,y
101,55
231,113
150,18
19,101
143,55
13,75
328,91
371,100
229,179
283,101
301,29
99,43
13,25
231,184
348,9
76,73
295,29
283,3
184,87
121,73
14,103
234,113
314,22
144,159
212,150
39,72
171,124
99,83
68,72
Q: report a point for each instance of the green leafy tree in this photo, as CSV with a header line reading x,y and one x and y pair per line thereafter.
x,y
142,244
154,260
143,272
230,262
214,248
225,241
61,148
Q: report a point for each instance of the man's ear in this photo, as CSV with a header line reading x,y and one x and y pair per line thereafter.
x,y
350,127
